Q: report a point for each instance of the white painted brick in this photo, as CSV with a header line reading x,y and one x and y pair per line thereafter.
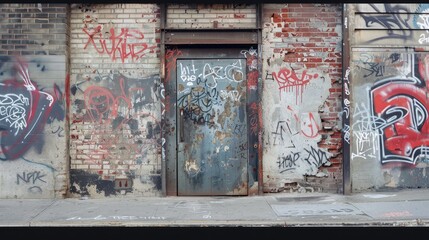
x,y
172,16
178,11
77,41
115,20
129,21
82,147
178,21
130,10
210,15
76,162
205,20
103,10
75,20
95,167
122,167
123,15
81,166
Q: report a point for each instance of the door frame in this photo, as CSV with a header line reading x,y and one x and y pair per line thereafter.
x,y
169,122
172,40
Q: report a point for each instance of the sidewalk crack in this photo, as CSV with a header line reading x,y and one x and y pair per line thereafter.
x,y
40,212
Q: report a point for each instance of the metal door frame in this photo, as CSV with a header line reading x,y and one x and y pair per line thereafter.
x,y
172,40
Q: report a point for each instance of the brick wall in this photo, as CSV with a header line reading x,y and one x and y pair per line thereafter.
x,y
115,96
115,99
33,66
195,16
302,69
32,29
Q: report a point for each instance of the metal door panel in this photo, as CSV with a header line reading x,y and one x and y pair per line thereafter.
x,y
211,103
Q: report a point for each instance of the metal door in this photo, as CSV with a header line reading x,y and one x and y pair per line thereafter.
x,y
211,105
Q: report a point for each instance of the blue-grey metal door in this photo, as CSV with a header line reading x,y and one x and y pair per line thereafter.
x,y
211,105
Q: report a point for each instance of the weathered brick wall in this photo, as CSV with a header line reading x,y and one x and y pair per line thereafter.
x,y
302,97
33,70
195,16
115,99
115,94
29,29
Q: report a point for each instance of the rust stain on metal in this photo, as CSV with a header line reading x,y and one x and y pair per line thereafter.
x,y
222,135
199,137
181,88
225,114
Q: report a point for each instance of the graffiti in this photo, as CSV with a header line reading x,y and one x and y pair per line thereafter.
x,y
35,190
198,102
251,56
394,57
253,118
314,159
365,138
396,22
251,52
309,126
269,76
59,131
346,106
163,149
239,129
423,39
188,75
234,95
127,217
376,66
289,162
102,103
288,80
24,112
195,207
279,133
126,44
402,108
171,57
422,21
346,131
126,126
210,75
31,177
423,25
243,152
321,209
232,72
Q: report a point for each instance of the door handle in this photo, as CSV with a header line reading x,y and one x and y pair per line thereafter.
x,y
181,125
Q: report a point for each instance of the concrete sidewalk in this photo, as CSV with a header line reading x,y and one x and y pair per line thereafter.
x,y
392,208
